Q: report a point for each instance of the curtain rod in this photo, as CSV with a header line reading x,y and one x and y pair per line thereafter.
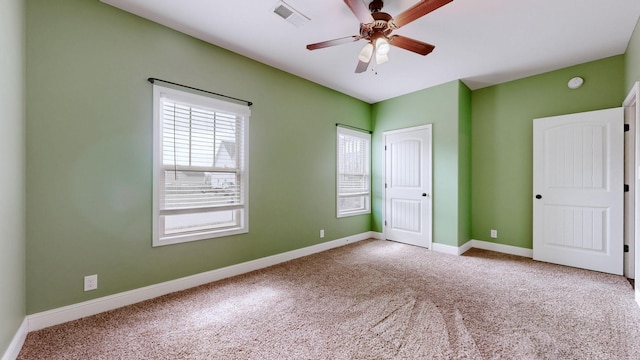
x,y
152,80
354,128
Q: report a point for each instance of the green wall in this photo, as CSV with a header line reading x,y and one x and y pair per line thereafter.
x,y
89,152
445,107
632,60
502,140
12,192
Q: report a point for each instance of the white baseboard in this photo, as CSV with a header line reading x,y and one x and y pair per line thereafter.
x,y
437,247
76,311
447,249
466,247
501,248
18,340
485,245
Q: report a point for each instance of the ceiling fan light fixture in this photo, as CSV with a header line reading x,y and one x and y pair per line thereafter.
x,y
381,59
366,53
382,46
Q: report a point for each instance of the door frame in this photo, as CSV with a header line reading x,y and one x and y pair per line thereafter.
x,y
630,106
384,177
633,100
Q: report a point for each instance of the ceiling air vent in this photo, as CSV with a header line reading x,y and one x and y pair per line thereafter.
x,y
290,14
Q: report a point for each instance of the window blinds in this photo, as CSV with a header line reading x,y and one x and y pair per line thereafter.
x,y
201,156
353,172
352,161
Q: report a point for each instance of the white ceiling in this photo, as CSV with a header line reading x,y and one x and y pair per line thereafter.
x,y
481,42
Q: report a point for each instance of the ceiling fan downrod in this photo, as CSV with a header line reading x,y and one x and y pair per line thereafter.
x,y
376,6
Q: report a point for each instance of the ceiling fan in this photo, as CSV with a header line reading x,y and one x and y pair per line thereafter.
x,y
376,27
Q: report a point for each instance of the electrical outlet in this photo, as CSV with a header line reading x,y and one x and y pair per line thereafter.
x,y
494,234
90,282
321,233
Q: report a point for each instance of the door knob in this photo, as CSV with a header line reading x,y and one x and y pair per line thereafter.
x,y
538,196
424,194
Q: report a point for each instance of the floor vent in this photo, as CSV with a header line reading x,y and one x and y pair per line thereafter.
x,y
290,14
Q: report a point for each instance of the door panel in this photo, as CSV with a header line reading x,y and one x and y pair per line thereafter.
x,y
408,186
578,184
406,215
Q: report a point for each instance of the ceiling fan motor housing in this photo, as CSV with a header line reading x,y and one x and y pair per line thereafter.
x,y
379,26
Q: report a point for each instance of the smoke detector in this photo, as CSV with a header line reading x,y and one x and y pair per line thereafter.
x,y
575,83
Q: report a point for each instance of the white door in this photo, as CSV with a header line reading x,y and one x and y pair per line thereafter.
x,y
408,200
578,190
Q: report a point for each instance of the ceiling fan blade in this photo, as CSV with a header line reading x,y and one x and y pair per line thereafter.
x,y
360,10
362,66
417,11
406,43
334,42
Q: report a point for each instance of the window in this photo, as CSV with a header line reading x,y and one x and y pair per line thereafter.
x,y
200,167
354,195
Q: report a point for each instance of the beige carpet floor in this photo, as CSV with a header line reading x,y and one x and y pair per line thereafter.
x,y
370,300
